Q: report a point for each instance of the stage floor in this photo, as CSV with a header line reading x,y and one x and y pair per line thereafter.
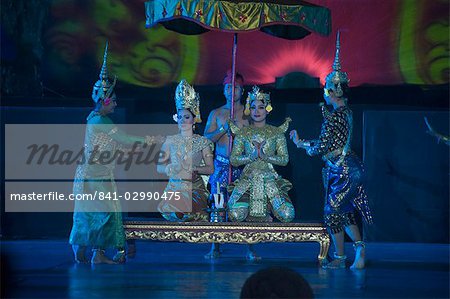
x,y
44,269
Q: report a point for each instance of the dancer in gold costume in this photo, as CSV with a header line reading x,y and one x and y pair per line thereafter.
x,y
260,191
185,157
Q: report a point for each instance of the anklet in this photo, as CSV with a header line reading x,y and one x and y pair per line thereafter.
x,y
340,257
359,243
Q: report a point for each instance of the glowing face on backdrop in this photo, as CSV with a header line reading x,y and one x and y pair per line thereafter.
x,y
258,111
238,91
185,120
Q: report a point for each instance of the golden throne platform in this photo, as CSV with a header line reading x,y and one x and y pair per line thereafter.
x,y
229,232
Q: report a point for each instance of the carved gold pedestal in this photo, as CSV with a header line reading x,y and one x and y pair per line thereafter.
x,y
229,232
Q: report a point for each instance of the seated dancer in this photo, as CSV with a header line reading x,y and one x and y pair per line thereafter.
x,y
260,190
184,158
217,130
102,229
343,172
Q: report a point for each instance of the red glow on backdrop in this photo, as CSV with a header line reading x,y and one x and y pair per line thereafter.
x,y
378,46
368,54
290,56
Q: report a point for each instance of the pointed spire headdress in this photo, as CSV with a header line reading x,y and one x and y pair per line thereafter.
x,y
336,78
187,98
103,88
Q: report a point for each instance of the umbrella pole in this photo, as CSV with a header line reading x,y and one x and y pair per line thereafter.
x,y
233,82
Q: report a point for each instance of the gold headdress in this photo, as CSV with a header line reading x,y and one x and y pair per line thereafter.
x,y
103,88
256,94
336,78
187,98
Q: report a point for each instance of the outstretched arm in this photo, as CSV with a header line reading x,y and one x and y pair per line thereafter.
x,y
107,126
316,146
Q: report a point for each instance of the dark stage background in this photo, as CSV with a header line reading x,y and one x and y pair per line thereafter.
x,y
407,170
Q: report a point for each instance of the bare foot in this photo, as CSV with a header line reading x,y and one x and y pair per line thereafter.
x,y
322,262
119,257
99,257
335,264
80,254
360,255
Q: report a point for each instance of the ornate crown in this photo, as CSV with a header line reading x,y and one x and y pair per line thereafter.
x,y
257,94
336,78
187,98
103,88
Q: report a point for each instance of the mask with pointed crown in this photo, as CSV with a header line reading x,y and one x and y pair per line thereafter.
x,y
257,94
103,88
187,98
336,78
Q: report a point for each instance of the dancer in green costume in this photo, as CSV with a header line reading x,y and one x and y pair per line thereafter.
x,y
98,223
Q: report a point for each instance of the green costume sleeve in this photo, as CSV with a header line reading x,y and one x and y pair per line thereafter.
x,y
238,157
281,157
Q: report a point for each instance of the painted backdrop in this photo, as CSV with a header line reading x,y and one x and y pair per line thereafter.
x,y
383,43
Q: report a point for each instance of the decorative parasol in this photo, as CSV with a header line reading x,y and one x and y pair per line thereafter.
x,y
288,19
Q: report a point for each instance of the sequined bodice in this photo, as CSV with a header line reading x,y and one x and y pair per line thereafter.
x,y
334,135
98,143
183,148
273,146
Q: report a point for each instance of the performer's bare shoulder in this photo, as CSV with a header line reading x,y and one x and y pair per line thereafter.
x,y
222,114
